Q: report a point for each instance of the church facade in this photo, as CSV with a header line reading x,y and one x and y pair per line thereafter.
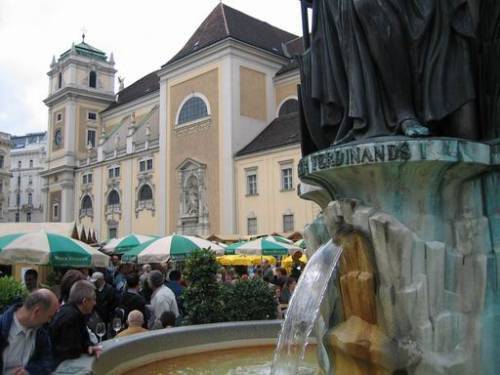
x,y
206,144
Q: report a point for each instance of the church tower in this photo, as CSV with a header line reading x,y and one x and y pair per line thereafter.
x,y
81,84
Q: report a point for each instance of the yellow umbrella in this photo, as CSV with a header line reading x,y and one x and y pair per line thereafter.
x,y
244,260
288,261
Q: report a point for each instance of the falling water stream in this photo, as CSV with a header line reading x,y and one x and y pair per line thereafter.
x,y
303,309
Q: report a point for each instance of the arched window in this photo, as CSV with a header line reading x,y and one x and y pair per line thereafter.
x,y
93,79
193,109
145,194
113,198
59,80
289,106
87,203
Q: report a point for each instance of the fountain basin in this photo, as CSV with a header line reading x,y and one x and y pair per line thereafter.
x,y
124,354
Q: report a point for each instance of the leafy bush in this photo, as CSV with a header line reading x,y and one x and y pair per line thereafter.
x,y
10,291
202,297
249,300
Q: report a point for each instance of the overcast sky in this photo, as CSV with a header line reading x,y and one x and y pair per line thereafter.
x,y
142,34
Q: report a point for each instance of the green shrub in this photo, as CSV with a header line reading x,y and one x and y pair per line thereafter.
x,y
249,300
10,291
202,297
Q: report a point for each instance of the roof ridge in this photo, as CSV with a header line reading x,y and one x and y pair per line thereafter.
x,y
226,26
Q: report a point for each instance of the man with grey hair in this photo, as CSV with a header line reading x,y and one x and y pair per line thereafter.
x,y
135,321
68,330
24,343
162,299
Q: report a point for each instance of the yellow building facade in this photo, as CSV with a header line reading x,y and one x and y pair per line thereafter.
x,y
169,153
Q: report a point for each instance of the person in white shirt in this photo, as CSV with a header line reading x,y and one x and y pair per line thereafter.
x,y
162,299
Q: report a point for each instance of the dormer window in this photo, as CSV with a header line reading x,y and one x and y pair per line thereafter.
x,y
93,79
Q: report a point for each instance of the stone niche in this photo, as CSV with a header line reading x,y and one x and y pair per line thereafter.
x,y
419,278
193,209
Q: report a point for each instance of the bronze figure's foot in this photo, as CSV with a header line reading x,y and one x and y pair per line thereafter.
x,y
413,128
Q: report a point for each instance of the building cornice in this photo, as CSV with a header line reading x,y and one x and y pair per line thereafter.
x,y
82,62
288,77
62,168
219,50
72,92
268,152
109,162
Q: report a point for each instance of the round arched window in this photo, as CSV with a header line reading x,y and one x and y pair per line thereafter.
x,y
290,106
193,109
145,194
86,202
113,198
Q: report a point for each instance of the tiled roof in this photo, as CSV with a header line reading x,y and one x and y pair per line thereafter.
x,y
146,85
85,49
225,22
282,131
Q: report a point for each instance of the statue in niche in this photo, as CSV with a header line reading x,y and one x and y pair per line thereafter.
x,y
389,67
191,197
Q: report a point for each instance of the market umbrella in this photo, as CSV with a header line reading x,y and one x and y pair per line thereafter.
x,y
262,246
244,260
49,248
288,261
300,243
173,246
122,244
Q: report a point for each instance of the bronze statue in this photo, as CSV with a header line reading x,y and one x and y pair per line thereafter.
x,y
389,67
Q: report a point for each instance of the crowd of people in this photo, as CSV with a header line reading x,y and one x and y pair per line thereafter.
x,y
48,327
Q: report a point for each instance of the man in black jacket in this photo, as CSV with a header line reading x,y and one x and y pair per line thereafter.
x,y
105,297
68,330
24,343
131,299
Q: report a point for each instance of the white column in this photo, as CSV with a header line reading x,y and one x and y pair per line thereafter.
x,y
128,199
67,201
226,171
70,129
163,200
98,203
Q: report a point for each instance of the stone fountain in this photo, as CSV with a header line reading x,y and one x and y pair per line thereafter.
x,y
409,183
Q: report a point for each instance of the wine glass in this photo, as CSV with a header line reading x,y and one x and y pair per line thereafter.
x,y
100,330
117,325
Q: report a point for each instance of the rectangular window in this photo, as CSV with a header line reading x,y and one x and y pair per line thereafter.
x,y
251,182
30,199
112,232
252,225
1,161
117,172
142,166
55,211
91,137
30,180
288,223
19,164
59,117
111,173
17,217
1,186
91,115
286,178
18,199
149,163
28,217
31,163
89,178
18,180
84,179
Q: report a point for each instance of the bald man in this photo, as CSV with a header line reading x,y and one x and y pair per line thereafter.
x,y
24,343
135,321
